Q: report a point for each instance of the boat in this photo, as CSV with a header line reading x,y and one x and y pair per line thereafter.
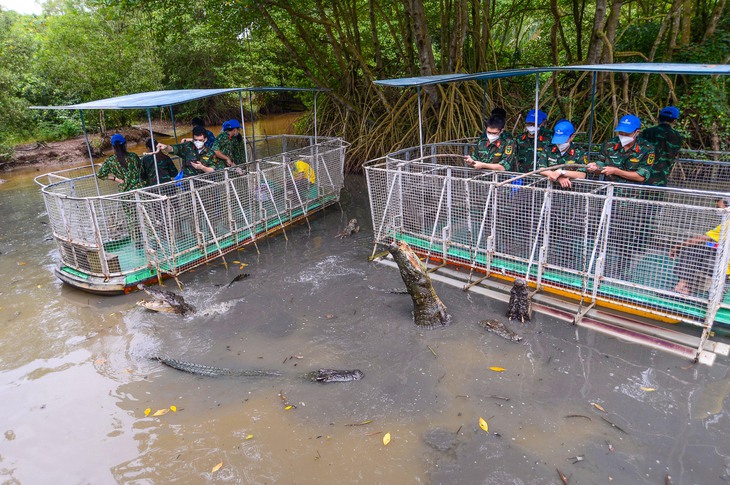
x,y
110,242
480,231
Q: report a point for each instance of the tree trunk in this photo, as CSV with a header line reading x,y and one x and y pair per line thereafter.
x,y
596,45
611,26
427,64
458,34
686,23
377,52
714,19
558,26
578,23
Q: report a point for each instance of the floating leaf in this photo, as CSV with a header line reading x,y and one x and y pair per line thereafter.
x,y
288,407
21,263
249,436
173,408
242,266
386,439
647,389
237,262
483,424
217,467
161,412
497,369
147,411
598,406
39,286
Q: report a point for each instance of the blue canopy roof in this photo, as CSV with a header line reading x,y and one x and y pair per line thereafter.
x,y
644,68
158,99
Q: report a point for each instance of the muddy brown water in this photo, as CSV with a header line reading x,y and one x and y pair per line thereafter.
x,y
76,378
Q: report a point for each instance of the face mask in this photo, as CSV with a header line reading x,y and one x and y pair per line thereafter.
x,y
625,140
198,144
531,130
492,138
563,146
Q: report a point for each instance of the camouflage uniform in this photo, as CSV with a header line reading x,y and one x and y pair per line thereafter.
x,y
639,158
503,151
165,168
131,175
551,156
230,146
525,146
667,143
188,153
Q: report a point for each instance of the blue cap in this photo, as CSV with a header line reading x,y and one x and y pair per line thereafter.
x,y
670,112
118,139
225,126
563,130
231,125
541,116
628,124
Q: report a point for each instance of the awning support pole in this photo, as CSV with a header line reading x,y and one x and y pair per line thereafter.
x,y
420,122
91,156
243,125
593,110
537,124
154,146
253,128
315,117
174,128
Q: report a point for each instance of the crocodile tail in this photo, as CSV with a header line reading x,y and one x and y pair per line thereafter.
x,y
211,371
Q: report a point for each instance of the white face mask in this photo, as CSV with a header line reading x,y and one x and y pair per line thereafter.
x,y
531,130
563,146
492,138
198,144
625,140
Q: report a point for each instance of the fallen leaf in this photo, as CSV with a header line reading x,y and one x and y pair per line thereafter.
x,y
599,407
497,369
237,262
112,314
173,408
242,266
39,286
288,407
99,361
329,316
217,467
647,389
386,439
161,412
147,411
483,424
21,263
249,436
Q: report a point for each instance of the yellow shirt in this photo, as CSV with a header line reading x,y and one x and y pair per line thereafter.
x,y
714,234
302,167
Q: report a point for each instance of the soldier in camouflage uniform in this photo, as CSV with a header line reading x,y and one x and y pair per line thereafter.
x,y
627,158
667,142
526,140
196,157
228,146
496,150
166,169
562,151
123,167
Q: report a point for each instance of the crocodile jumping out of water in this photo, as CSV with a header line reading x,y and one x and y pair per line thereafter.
x,y
428,309
351,228
165,301
319,375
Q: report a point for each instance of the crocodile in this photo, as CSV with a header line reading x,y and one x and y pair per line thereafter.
x,y
518,307
319,375
165,301
428,309
500,329
351,228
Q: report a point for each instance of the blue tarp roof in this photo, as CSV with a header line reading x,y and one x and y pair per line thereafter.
x,y
644,68
158,99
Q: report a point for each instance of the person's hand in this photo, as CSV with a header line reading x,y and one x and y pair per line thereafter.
x,y
610,170
469,161
230,163
565,182
552,175
197,165
162,147
185,140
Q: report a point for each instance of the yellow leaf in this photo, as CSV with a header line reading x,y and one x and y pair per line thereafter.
x,y
237,262
483,424
39,286
173,408
497,369
161,412
386,439
288,407
249,436
21,263
598,406
217,467
647,389
147,411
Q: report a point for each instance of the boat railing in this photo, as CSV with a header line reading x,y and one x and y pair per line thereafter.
x,y
597,242
169,228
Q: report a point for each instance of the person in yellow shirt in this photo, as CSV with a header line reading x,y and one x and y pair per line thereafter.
x,y
696,257
304,180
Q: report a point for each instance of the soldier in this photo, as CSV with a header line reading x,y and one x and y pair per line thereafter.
x,y
526,140
626,158
209,136
495,150
196,157
123,167
228,146
667,142
165,168
562,151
